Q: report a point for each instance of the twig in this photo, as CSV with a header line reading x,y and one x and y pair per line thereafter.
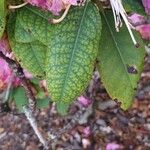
x,y
55,135
34,125
18,71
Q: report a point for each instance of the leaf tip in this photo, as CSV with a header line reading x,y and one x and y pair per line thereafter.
x,y
62,108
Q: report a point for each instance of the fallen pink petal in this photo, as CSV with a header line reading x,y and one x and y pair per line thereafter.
x,y
84,101
112,146
86,131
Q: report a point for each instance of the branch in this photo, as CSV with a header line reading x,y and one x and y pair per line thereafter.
x,y
18,71
56,134
34,125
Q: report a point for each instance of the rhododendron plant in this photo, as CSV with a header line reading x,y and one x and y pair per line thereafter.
x,y
59,41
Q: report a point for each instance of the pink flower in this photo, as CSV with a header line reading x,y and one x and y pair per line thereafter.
x,y
144,31
5,72
146,4
136,19
84,101
55,6
6,75
4,45
139,22
38,3
72,2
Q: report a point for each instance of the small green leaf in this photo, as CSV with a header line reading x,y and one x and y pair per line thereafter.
x,y
42,103
20,98
62,108
2,17
121,62
135,6
73,50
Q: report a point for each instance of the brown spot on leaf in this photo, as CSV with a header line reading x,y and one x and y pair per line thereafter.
x,y
132,69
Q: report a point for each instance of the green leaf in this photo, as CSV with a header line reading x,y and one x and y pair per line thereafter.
x,y
73,50
20,98
2,17
42,103
22,35
71,47
134,6
36,22
30,37
29,52
121,62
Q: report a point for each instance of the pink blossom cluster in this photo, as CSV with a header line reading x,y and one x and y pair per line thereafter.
x,y
144,31
55,6
146,4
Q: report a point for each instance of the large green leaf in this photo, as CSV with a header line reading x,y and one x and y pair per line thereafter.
x,y
2,17
121,62
73,50
71,46
29,51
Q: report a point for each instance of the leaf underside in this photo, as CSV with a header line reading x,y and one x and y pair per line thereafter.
x,y
29,51
121,62
71,48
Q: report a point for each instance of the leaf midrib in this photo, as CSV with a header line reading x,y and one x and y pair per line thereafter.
x,y
122,59
73,51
